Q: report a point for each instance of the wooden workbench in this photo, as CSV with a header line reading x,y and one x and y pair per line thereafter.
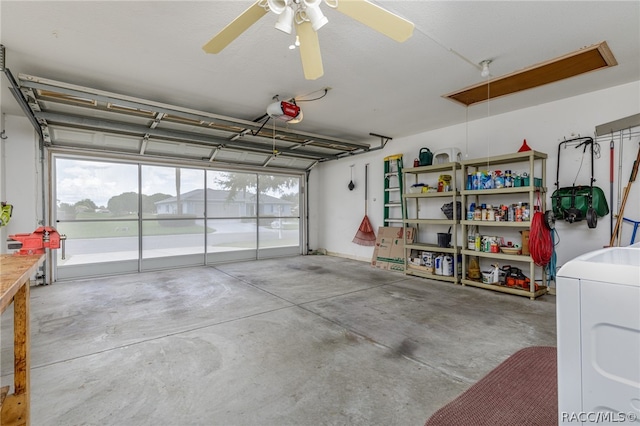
x,y
15,274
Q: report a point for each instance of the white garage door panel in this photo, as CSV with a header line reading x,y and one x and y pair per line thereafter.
x,y
158,147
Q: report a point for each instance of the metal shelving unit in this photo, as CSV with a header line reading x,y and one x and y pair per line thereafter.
x,y
412,217
535,162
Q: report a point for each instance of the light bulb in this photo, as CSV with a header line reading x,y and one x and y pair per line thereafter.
x,y
485,68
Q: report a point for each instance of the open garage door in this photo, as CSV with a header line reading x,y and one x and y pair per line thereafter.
x,y
122,217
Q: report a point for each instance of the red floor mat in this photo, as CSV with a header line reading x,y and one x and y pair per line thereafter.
x,y
523,390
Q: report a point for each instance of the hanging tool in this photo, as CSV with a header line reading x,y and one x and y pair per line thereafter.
x,y
611,149
351,184
365,235
575,203
632,178
36,242
5,213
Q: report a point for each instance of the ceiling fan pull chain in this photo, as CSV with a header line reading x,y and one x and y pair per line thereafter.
x,y
275,151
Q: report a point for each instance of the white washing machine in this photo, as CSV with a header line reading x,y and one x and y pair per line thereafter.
x,y
598,332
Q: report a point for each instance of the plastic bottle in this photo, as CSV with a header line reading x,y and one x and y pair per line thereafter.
x,y
498,179
491,214
438,262
477,213
447,265
471,240
519,213
525,212
478,242
474,269
495,276
508,179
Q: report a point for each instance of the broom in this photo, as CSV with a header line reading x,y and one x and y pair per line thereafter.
x,y
365,235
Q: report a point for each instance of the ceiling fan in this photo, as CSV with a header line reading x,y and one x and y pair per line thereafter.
x,y
308,19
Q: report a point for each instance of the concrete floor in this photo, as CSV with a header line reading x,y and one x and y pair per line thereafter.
x,y
308,340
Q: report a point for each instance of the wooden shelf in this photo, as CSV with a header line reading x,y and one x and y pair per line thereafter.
x,y
414,202
536,166
542,290
432,221
434,194
503,191
416,271
441,167
525,224
516,157
432,247
502,256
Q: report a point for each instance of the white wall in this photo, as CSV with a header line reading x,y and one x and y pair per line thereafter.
x,y
20,178
336,212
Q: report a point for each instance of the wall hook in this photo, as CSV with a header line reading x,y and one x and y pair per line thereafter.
x,y
3,136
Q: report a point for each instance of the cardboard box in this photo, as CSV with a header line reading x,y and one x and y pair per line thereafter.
x,y
389,250
428,259
426,269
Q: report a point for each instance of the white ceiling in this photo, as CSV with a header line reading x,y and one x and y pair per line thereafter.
x,y
152,50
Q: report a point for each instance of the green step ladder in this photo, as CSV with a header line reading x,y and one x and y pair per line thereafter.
x,y
393,190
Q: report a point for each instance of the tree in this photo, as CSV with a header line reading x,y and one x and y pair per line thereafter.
x,y
149,201
246,182
86,205
127,202
124,203
66,211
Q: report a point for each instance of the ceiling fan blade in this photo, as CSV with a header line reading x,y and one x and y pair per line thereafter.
x,y
309,51
381,20
235,28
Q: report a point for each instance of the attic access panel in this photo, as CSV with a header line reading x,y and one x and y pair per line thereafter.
x,y
585,60
78,117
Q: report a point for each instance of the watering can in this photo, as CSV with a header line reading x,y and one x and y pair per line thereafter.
x,y
426,157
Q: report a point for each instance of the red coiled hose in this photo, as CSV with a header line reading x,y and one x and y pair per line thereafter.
x,y
540,241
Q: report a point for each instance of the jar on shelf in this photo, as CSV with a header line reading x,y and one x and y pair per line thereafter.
x,y
470,211
477,213
508,179
498,179
491,214
519,212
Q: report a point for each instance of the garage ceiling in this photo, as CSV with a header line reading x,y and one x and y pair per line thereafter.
x,y
151,51
78,117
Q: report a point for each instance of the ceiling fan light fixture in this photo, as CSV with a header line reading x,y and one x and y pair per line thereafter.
x,y
277,6
285,20
315,15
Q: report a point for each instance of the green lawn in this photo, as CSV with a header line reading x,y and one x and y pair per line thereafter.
x,y
128,228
